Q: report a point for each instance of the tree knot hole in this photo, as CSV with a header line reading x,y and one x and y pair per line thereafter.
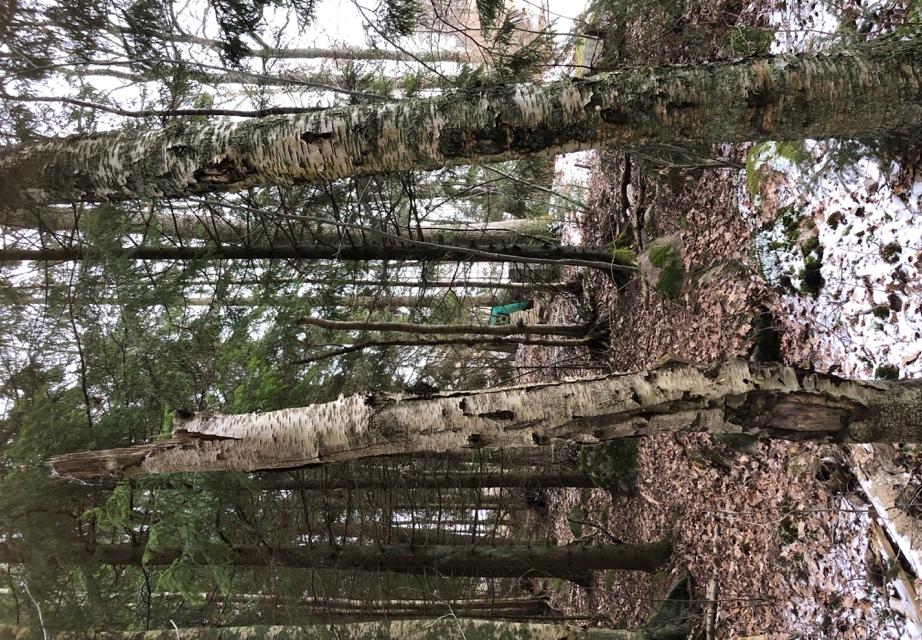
x,y
502,414
475,440
313,137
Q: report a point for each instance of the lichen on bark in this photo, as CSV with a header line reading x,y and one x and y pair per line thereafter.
x,y
734,396
857,92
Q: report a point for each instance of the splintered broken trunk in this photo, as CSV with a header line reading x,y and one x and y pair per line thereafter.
x,y
843,93
735,396
569,562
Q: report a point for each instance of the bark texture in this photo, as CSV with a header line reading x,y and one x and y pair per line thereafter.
x,y
273,232
454,480
888,486
353,302
570,562
857,92
735,396
575,330
572,255
438,629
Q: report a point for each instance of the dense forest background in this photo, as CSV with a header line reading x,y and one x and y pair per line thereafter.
x,y
132,318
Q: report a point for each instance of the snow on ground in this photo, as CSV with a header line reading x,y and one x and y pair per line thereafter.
x,y
867,227
837,226
867,312
571,180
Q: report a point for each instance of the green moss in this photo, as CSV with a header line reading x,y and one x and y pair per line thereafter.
x,y
890,252
624,256
811,278
750,41
672,272
792,150
881,311
811,244
887,372
752,169
766,342
612,465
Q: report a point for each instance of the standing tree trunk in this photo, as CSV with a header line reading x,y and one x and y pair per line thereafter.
x,y
575,330
273,232
735,396
541,253
353,302
488,343
454,480
337,53
570,562
438,629
846,93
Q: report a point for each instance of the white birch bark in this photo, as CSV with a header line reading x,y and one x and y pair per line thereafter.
x,y
859,92
735,396
884,483
188,226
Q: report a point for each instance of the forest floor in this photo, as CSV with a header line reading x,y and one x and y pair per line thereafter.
x,y
811,255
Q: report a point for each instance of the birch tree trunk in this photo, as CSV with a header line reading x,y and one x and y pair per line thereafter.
x,y
271,231
569,562
438,629
847,93
736,396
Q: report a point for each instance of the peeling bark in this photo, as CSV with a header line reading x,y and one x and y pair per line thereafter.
x,y
569,562
847,93
886,485
735,396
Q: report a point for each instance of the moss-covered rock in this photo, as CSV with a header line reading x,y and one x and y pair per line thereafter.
x,y
662,266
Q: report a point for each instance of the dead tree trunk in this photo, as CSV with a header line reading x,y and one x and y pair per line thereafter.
x,y
736,396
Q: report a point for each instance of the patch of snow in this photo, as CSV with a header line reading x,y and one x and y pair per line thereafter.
x,y
571,180
869,311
